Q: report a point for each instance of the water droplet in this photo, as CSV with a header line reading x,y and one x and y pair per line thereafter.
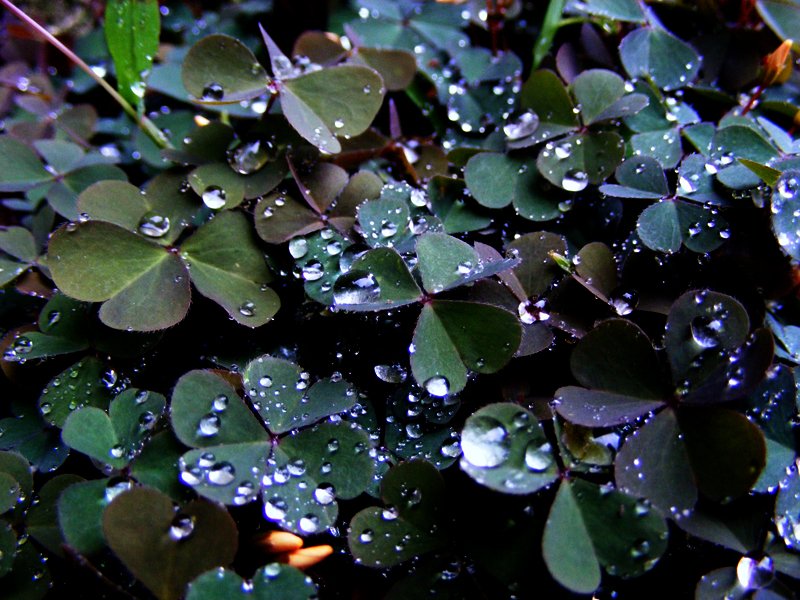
x,y
788,186
222,473
388,229
366,536
563,150
338,123
313,270
117,451
214,197
538,457
356,287
575,180
390,373
251,156
181,527
115,487
706,331
485,442
623,301
153,225
437,386
247,309
22,345
325,494
275,508
521,126
220,403
298,247
213,92
209,425
309,524
753,574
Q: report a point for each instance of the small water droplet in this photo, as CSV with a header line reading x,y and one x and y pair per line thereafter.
x,y
356,287
250,156
222,473
154,225
437,386
209,425
538,457
521,126
247,309
575,180
214,197
213,92
182,527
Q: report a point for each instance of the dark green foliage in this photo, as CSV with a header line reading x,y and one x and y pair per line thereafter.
x,y
474,299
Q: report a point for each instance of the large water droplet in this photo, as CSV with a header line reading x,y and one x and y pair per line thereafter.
x,y
213,92
298,247
275,508
313,270
538,457
153,225
390,373
706,331
575,180
209,425
222,473
485,442
788,186
356,287
521,126
437,386
181,527
247,309
214,197
755,574
309,523
325,494
250,156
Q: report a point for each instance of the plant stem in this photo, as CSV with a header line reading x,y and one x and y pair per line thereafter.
x,y
142,121
550,25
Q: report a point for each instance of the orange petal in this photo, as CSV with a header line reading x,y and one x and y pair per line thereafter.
x,y
308,557
777,64
277,542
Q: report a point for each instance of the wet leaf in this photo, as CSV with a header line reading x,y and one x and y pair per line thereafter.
x,y
409,525
79,385
601,96
285,397
787,509
396,67
144,287
28,434
578,160
220,69
589,527
132,30
80,513
226,265
505,449
656,54
785,208
537,271
545,95
448,202
452,337
271,582
377,280
166,548
23,168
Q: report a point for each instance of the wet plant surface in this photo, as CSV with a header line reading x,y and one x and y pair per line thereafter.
x,y
390,299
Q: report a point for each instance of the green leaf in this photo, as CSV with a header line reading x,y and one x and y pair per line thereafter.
x,y
504,448
23,169
8,547
638,177
9,492
701,321
656,54
377,280
271,582
495,180
230,473
617,10
452,337
339,101
80,385
537,271
279,218
157,465
595,263
384,222
726,450
578,160
787,509
664,146
617,356
206,411
739,141
226,265
132,28
666,225
284,397
415,496
654,464
89,430
444,261
786,212
80,513
18,473
780,16
546,96
219,69
166,549
28,434
448,202
319,260
116,202
145,286
590,526
19,243
396,67
217,181
310,470
767,174
599,93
